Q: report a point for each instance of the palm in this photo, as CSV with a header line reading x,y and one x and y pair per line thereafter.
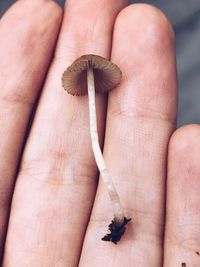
x,y
50,222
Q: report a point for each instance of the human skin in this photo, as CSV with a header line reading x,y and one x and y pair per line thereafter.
x,y
59,211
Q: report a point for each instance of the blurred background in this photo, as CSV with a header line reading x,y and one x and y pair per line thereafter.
x,y
185,18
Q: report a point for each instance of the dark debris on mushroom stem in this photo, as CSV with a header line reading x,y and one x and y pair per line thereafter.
x,y
116,232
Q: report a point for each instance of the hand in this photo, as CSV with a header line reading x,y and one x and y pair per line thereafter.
x,y
57,218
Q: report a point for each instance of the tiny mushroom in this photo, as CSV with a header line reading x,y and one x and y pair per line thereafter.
x,y
86,75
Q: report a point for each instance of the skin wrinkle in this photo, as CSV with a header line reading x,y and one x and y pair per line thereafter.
x,y
140,113
58,176
17,99
139,106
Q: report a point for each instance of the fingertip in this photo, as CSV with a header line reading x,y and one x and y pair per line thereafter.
x,y
184,149
145,52
26,22
149,23
55,10
33,8
185,139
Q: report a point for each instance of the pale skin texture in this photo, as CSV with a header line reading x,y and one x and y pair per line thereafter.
x,y
58,215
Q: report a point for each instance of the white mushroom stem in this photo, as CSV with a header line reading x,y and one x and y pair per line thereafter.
x,y
118,210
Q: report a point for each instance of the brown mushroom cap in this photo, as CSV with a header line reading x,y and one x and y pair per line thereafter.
x,y
106,74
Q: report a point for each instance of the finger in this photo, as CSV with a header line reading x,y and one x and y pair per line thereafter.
x,y
25,52
182,235
140,118
56,184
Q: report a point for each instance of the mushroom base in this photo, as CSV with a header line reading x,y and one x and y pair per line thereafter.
x,y
116,232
